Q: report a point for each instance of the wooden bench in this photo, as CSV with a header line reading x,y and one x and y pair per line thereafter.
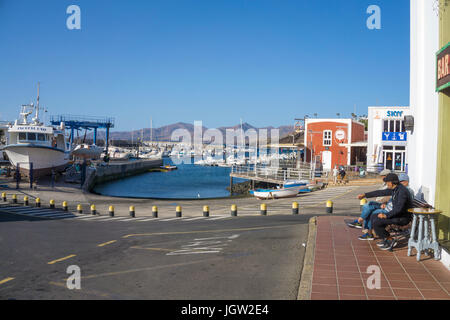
x,y
402,232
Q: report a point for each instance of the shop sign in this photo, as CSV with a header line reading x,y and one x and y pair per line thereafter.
x,y
394,113
394,136
339,135
443,68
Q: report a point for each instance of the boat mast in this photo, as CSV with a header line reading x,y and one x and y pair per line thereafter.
x,y
37,106
151,131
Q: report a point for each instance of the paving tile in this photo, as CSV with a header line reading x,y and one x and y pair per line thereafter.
x,y
402,284
393,270
427,285
381,298
397,276
384,292
348,274
434,294
324,280
415,270
324,267
323,296
421,277
407,293
446,285
323,288
352,297
352,290
323,255
441,274
324,273
356,282
324,262
347,264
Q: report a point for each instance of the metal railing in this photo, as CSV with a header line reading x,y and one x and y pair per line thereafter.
x,y
274,173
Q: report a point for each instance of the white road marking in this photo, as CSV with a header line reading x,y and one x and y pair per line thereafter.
x,y
115,218
196,218
218,218
171,219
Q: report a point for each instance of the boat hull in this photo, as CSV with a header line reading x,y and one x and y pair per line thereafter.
x,y
275,193
89,152
44,159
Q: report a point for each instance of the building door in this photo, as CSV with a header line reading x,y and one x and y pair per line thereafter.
x,y
388,160
394,160
326,160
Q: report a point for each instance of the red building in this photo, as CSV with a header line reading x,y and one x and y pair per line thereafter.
x,y
334,142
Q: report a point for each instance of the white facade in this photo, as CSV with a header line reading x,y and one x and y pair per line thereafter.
x,y
387,139
424,103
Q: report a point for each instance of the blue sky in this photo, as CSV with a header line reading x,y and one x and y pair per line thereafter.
x,y
265,61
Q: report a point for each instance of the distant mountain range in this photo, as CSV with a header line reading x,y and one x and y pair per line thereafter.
x,y
164,133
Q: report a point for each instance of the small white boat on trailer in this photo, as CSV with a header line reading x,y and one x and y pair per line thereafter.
x,y
264,194
290,189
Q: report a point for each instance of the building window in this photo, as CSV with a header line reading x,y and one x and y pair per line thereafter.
x,y
393,126
327,138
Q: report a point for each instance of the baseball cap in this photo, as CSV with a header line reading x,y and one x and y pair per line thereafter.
x,y
391,177
403,177
385,172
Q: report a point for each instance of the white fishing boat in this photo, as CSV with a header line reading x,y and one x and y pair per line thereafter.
x,y
45,147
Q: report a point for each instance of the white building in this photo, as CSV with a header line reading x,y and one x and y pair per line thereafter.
x,y
387,139
424,100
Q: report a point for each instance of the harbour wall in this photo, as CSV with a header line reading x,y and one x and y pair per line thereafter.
x,y
115,171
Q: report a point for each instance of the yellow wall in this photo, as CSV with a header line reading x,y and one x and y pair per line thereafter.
x,y
443,157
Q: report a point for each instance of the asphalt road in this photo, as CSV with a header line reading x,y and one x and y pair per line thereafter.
x,y
252,257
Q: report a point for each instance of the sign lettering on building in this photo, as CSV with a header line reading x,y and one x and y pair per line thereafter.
x,y
394,113
443,68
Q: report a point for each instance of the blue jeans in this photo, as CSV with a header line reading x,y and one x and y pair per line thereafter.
x,y
367,211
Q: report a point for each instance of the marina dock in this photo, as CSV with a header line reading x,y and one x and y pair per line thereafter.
x,y
117,170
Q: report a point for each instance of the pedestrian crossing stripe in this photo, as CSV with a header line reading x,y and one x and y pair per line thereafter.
x,y
115,219
62,216
131,219
193,219
83,217
218,218
170,219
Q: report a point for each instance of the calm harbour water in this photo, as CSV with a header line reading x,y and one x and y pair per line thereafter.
x,y
188,182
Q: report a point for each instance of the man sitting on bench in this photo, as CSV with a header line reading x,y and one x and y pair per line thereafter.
x,y
399,215
364,220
